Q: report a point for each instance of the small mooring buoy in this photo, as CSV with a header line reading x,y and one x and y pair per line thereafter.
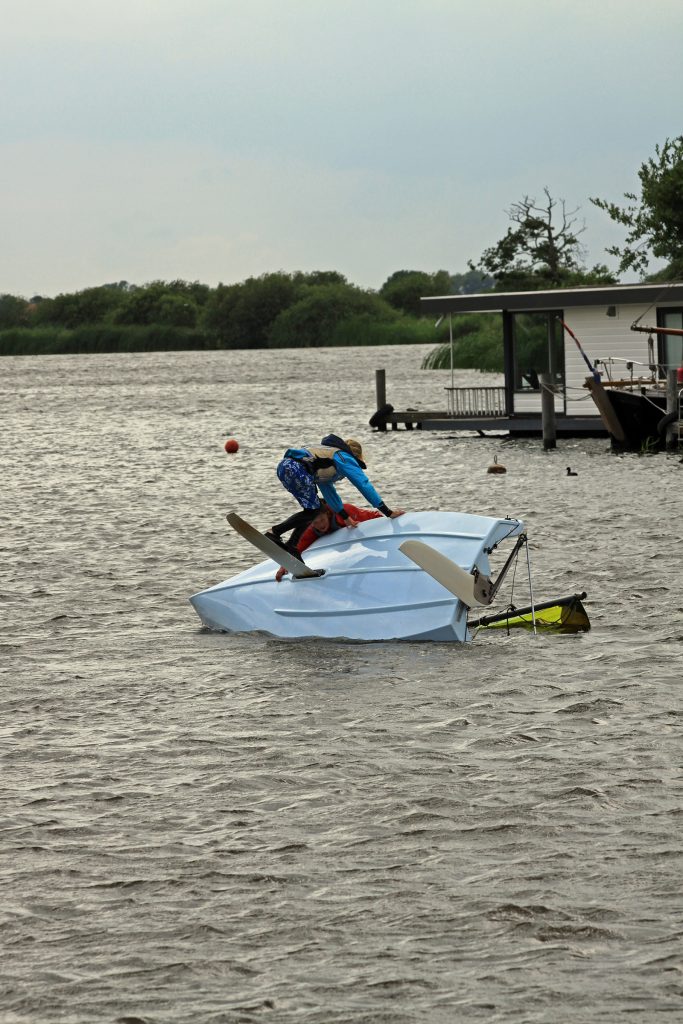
x,y
570,471
231,446
496,466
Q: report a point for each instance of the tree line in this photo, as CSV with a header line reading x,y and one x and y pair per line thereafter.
x,y
541,248
276,310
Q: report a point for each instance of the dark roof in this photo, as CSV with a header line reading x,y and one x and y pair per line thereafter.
x,y
556,298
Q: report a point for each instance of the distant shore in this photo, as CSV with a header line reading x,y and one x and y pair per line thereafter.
x,y
155,338
277,310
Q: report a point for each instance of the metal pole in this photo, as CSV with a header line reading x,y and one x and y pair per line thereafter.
x,y
551,345
672,431
547,410
450,335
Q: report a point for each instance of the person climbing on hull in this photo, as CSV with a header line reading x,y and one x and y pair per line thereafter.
x,y
304,471
328,522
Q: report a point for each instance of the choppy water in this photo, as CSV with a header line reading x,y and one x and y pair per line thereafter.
x,y
204,828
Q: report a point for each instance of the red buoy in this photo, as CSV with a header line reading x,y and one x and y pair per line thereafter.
x,y
231,446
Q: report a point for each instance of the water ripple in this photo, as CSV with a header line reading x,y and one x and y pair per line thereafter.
x,y
202,828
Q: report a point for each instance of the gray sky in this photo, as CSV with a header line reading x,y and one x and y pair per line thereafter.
x,y
212,140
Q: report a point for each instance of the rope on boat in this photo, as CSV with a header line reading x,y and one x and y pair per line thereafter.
x,y
511,606
531,589
656,299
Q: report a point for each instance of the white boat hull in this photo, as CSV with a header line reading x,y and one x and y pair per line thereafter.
x,y
370,590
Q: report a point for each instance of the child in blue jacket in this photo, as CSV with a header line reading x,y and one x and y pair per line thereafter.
x,y
304,471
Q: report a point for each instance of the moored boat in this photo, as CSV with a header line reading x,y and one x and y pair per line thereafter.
x,y
636,410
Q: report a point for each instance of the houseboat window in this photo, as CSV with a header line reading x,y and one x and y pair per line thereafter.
x,y
670,345
539,348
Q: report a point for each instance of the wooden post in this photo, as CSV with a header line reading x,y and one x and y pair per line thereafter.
x,y
673,430
509,361
381,387
547,410
381,392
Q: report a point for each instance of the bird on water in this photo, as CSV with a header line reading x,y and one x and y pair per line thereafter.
x,y
570,471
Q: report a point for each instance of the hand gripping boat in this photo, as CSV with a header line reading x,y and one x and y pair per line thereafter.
x,y
410,578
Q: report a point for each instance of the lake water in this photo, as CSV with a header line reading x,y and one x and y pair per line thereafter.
x,y
199,827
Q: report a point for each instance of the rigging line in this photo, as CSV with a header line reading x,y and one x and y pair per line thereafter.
x,y
514,573
621,359
512,587
652,403
531,589
653,303
510,533
511,605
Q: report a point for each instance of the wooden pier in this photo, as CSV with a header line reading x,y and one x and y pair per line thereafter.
x,y
522,425
481,411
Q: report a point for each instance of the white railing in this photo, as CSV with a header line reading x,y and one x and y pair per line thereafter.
x,y
476,401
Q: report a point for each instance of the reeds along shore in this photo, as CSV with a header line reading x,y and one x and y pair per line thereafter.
x,y
19,341
61,341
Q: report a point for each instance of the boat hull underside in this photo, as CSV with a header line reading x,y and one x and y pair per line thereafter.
x,y
370,591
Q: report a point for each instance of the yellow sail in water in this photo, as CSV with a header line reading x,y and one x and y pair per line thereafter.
x,y
567,615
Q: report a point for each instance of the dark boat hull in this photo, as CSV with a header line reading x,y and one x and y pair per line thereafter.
x,y
639,416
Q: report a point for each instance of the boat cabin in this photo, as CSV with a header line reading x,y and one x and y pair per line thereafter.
x,y
535,342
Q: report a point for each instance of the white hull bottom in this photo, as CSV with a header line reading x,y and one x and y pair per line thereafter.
x,y
370,590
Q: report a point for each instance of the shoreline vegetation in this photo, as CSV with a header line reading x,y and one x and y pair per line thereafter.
x,y
279,310
540,249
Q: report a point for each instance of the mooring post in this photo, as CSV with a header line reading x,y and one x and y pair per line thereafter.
x,y
381,393
547,409
381,387
673,429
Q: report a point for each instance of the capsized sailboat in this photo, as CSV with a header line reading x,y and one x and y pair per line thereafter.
x,y
410,578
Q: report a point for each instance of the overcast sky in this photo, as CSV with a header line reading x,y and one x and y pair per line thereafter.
x,y
212,140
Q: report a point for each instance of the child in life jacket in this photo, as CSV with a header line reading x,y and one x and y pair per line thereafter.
x,y
304,471
327,522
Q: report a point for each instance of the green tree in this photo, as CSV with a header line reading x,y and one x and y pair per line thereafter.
x,y
471,282
162,302
14,312
316,316
177,310
318,277
654,220
542,251
404,289
241,315
75,309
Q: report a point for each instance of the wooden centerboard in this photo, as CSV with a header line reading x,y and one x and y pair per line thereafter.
x,y
297,568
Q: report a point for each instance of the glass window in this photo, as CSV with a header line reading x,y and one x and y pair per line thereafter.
x,y
539,348
670,345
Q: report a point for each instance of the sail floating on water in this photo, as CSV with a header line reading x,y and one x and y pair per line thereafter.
x,y
565,615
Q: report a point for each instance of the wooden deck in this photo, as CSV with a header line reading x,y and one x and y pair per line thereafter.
x,y
481,410
521,425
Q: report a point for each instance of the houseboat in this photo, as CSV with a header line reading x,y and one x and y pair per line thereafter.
x,y
579,343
